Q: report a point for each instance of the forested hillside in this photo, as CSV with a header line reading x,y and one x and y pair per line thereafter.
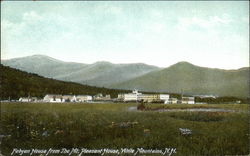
x,y
16,83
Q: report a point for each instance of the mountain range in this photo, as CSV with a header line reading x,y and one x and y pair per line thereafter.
x,y
187,78
101,74
182,77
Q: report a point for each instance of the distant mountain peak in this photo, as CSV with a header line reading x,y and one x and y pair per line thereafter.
x,y
39,56
36,58
183,63
102,62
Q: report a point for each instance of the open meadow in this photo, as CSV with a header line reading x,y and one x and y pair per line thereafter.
x,y
119,125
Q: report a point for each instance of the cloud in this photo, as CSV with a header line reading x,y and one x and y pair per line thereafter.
x,y
220,20
18,28
31,16
156,14
205,23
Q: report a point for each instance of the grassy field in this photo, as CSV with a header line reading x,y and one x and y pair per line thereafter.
x,y
95,126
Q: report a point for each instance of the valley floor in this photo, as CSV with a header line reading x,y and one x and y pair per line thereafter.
x,y
114,126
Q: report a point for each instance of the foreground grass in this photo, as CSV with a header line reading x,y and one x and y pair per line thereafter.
x,y
237,107
43,125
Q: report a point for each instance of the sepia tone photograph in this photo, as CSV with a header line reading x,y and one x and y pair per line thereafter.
x,y
128,78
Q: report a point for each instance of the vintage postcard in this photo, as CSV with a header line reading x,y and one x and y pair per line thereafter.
x,y
146,78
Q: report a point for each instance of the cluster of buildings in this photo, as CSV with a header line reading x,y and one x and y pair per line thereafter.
x,y
135,96
165,98
67,98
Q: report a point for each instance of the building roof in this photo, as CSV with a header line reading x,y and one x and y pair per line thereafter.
x,y
54,95
82,95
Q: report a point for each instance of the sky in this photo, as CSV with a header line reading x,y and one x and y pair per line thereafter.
x,y
211,34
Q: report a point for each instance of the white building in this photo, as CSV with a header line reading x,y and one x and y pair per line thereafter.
x,y
135,91
130,97
83,98
153,97
164,97
120,97
68,98
53,98
24,99
171,101
187,100
100,97
136,96
28,99
149,97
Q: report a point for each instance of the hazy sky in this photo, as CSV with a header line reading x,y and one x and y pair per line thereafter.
x,y
161,33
